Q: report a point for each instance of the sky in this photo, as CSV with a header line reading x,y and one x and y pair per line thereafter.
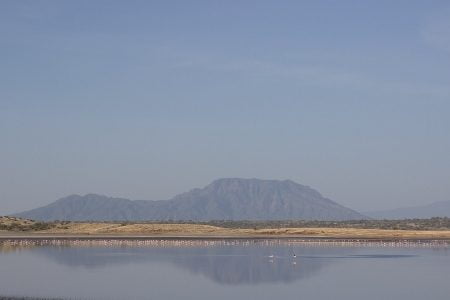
x,y
148,99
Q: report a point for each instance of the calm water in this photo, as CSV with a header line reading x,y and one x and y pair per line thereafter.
x,y
224,269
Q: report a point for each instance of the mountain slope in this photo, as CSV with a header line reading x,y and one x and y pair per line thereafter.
x,y
88,207
436,209
223,199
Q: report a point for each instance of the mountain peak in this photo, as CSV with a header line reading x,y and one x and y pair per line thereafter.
x,y
229,180
254,182
222,199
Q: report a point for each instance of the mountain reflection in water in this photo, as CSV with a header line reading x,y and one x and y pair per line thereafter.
x,y
235,262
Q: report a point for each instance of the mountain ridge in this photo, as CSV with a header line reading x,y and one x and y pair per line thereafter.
x,y
435,209
222,199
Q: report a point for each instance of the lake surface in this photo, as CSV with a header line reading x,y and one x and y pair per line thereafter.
x,y
224,269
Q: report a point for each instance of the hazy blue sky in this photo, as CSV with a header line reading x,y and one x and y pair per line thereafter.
x,y
147,99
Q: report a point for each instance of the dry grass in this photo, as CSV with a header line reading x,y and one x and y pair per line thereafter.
x,y
356,233
13,220
78,228
141,229
207,230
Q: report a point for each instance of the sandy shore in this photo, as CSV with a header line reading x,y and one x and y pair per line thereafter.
x,y
113,230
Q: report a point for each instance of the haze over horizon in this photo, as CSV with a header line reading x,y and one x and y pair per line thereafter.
x,y
145,100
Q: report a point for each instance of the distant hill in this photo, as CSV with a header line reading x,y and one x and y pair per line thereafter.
x,y
223,199
436,209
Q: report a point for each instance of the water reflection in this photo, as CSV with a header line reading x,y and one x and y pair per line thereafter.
x,y
229,262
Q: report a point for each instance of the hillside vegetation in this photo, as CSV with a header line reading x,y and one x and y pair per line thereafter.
x,y
420,229
15,224
406,224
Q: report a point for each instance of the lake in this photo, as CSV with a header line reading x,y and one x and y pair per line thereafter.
x,y
224,269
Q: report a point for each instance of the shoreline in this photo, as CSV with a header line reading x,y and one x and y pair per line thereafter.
x,y
71,230
37,237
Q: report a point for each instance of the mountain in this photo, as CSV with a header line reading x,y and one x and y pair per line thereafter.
x,y
88,207
223,199
436,209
